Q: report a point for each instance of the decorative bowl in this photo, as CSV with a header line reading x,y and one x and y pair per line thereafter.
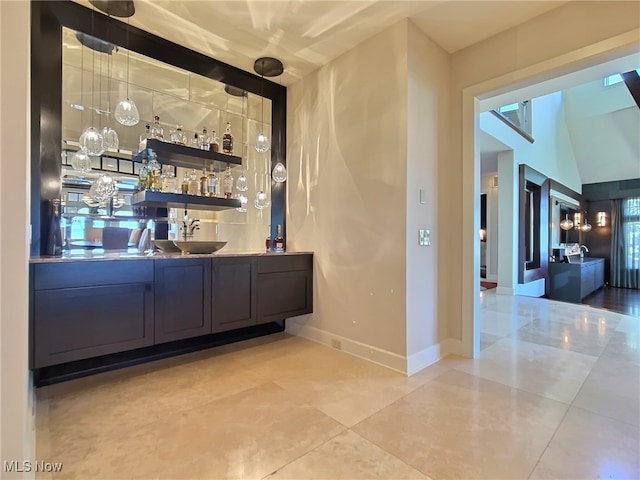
x,y
165,246
199,246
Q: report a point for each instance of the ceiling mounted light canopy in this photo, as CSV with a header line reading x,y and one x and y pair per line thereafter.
x,y
95,43
115,8
268,67
235,91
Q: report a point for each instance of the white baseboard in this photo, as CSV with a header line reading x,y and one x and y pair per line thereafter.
x,y
505,291
413,364
373,354
424,358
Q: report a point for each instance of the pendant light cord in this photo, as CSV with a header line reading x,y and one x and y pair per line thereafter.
x,y
128,53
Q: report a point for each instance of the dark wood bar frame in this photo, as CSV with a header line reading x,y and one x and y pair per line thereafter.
x,y
47,20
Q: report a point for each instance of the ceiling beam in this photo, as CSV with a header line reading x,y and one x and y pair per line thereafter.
x,y
632,80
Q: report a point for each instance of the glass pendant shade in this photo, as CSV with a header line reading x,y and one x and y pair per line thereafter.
x,y
81,162
262,201
243,202
586,226
103,188
111,139
566,224
127,113
241,183
92,142
262,143
279,173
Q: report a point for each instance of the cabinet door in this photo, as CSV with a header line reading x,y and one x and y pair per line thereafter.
x,y
599,274
78,323
182,298
285,287
588,280
234,293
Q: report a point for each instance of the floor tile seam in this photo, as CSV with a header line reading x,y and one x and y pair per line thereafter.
x,y
305,453
560,350
546,447
601,415
373,442
521,390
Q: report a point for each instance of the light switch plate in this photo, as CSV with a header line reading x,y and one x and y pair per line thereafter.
x,y
423,196
424,237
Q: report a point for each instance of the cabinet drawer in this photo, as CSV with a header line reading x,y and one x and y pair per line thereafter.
x,y
87,274
284,263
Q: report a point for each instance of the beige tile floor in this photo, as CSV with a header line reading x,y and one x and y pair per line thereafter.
x,y
553,395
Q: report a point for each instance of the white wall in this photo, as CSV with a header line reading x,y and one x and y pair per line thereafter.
x,y
552,152
347,196
16,394
427,145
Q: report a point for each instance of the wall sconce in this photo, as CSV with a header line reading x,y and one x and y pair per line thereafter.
x,y
601,219
483,235
577,220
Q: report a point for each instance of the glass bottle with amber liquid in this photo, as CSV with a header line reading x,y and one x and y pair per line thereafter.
x,y
278,242
204,183
227,140
154,177
143,174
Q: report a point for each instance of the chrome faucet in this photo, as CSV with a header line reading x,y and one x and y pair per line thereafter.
x,y
583,249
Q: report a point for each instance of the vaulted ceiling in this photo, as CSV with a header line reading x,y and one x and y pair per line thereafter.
x,y
306,34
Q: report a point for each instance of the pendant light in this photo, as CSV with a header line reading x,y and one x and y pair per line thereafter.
x,y
241,181
110,136
91,141
262,141
279,173
585,226
566,224
80,160
104,188
126,112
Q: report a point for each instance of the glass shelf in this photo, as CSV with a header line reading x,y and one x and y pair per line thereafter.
x,y
187,157
178,200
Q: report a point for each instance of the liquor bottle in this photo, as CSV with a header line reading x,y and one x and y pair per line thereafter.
x,y
228,183
278,242
203,140
214,142
227,140
168,178
156,130
178,137
212,183
143,138
184,187
143,174
195,141
194,183
204,182
54,241
154,178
